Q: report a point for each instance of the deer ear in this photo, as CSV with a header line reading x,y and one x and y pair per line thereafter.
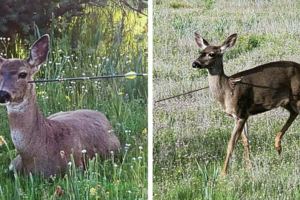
x,y
229,42
202,43
39,51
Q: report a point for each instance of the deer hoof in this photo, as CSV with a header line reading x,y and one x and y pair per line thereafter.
x,y
223,174
278,149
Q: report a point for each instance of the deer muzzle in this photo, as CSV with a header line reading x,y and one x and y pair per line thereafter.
x,y
196,65
4,97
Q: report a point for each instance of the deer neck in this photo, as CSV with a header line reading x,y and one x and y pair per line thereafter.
x,y
218,82
26,123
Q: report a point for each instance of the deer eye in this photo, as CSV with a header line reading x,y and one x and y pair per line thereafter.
x,y
212,55
22,75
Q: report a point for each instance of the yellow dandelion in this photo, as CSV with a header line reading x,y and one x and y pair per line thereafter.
x,y
41,92
120,93
68,98
2,141
93,191
144,132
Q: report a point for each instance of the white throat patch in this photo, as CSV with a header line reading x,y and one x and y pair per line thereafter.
x,y
16,108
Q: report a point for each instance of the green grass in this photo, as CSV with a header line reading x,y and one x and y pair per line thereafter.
x,y
191,133
114,42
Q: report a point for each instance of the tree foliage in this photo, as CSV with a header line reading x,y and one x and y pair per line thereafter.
x,y
23,16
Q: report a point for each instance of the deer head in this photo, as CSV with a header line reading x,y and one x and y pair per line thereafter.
x,y
211,57
15,73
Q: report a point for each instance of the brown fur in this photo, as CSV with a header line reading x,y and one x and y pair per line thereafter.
x,y
268,86
44,144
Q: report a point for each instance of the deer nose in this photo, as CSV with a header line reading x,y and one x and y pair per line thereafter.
x,y
196,65
4,96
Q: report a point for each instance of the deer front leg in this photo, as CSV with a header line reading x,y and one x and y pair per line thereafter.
x,y
238,128
246,145
16,164
279,135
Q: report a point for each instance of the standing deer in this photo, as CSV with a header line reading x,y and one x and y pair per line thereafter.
x,y
265,87
45,145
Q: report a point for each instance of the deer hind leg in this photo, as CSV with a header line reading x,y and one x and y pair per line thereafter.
x,y
245,140
288,123
238,128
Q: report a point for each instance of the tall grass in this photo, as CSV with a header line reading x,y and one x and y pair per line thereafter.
x,y
191,133
105,41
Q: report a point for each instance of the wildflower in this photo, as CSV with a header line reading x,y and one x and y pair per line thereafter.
x,y
93,191
140,148
120,93
144,132
110,131
83,151
2,141
58,191
127,146
140,158
70,164
67,97
115,165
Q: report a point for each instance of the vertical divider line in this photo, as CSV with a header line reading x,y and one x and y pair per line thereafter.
x,y
150,100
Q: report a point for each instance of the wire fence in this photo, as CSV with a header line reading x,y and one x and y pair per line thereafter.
x,y
129,75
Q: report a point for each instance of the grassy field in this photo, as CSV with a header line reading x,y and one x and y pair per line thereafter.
x,y
114,42
191,133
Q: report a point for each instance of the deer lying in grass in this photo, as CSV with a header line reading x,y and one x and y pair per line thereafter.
x,y
44,144
265,87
